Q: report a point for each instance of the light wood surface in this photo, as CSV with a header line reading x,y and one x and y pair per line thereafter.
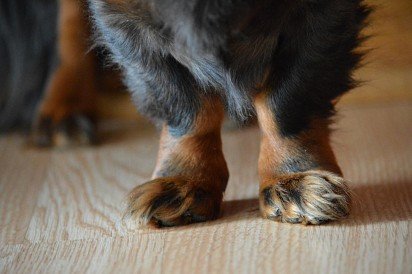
x,y
61,210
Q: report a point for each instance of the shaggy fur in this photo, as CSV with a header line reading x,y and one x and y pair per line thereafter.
x,y
301,50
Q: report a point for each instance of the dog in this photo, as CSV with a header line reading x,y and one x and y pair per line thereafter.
x,y
187,63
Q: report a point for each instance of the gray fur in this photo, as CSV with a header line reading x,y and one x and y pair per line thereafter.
x,y
185,49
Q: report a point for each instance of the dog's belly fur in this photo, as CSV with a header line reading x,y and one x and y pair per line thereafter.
x,y
235,47
205,52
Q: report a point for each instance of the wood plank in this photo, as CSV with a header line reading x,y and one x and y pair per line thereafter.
x,y
249,245
22,173
83,193
76,225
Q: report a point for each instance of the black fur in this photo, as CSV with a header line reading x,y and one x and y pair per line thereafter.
x,y
27,57
314,61
175,51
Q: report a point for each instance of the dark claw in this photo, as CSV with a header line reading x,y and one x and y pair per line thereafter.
x,y
294,220
74,130
42,132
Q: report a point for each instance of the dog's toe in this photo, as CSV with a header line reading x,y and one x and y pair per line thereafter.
x,y
74,130
172,201
312,197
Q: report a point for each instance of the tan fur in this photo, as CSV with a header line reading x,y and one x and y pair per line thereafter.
x,y
310,196
193,166
72,87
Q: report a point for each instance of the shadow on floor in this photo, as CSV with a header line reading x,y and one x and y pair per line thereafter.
x,y
380,203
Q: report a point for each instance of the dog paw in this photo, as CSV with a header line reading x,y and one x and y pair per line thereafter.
x,y
74,130
172,201
312,197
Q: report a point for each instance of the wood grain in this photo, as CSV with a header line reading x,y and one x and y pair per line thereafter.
x,y
22,174
70,220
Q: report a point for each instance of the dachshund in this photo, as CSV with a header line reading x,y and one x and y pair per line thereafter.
x,y
188,62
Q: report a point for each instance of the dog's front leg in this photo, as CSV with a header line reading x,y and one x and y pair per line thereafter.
x,y
190,176
300,181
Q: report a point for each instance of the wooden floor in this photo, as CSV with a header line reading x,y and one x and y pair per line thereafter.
x,y
60,210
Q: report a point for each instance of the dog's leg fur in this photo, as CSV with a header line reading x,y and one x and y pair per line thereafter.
x,y
299,178
190,176
300,181
191,173
66,114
